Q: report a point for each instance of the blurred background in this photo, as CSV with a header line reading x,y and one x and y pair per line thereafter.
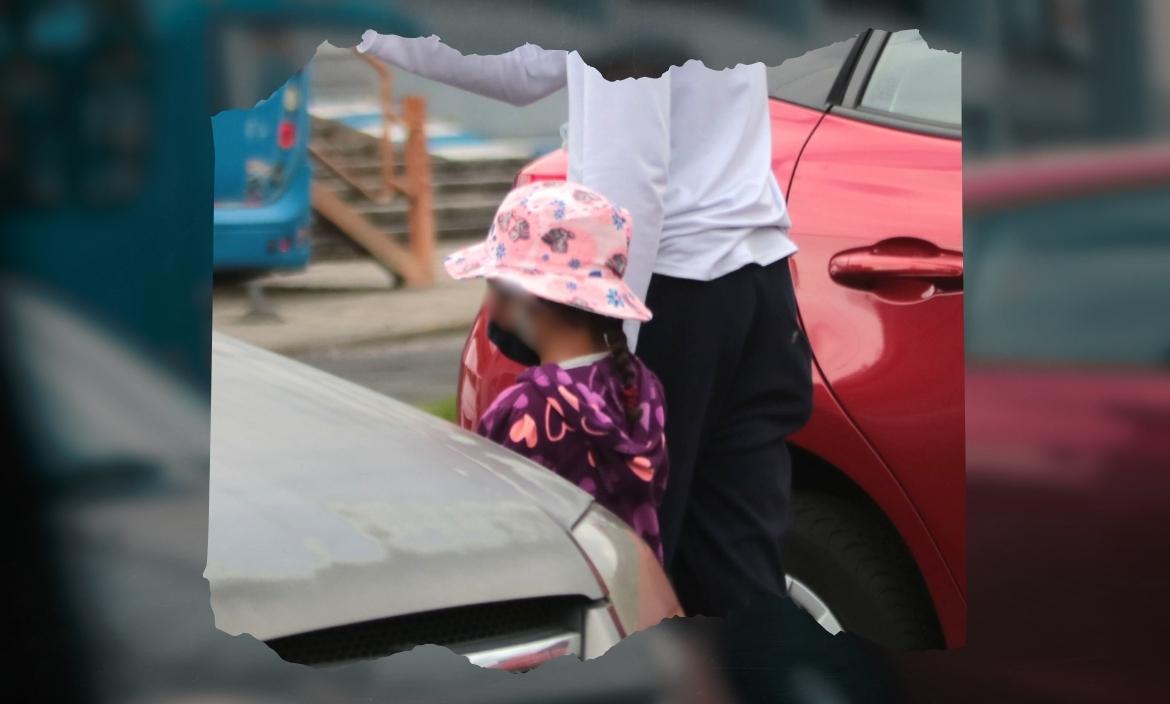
x,y
106,173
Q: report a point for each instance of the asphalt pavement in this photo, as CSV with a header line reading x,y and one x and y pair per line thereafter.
x,y
336,304
421,371
348,319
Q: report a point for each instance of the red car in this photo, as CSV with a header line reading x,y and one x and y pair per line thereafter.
x,y
866,145
1068,431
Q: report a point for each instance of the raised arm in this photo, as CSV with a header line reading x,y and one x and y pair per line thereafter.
x,y
519,77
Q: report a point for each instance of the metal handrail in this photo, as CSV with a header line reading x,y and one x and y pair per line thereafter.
x,y
390,185
414,263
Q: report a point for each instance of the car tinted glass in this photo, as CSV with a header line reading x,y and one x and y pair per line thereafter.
x,y
912,80
1082,281
808,78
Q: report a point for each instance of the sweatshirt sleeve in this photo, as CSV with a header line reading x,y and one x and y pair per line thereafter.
x,y
624,154
509,421
519,77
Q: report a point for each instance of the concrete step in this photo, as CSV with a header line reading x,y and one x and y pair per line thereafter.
x,y
356,152
371,172
490,185
455,203
329,244
368,162
468,218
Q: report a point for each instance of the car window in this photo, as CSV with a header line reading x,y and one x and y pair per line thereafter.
x,y
808,78
1081,281
912,80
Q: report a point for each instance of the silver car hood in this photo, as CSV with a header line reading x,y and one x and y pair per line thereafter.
x,y
333,504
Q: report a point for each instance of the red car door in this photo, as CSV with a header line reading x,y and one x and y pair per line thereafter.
x,y
876,205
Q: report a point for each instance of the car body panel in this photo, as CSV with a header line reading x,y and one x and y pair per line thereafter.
x,y
892,356
332,504
792,125
833,437
551,167
484,372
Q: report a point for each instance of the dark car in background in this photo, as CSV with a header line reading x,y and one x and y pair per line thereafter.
x,y
1068,427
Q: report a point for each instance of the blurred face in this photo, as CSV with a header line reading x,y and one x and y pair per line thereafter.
x,y
498,301
518,313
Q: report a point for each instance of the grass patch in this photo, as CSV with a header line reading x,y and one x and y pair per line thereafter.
x,y
444,408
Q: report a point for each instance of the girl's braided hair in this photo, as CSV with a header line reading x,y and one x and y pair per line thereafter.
x,y
623,360
610,330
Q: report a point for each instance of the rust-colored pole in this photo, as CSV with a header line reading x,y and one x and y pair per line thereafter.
x,y
421,216
388,252
386,145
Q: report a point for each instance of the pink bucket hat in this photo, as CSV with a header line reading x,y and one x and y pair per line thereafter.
x,y
561,242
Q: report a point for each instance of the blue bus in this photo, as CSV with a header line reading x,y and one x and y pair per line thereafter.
x,y
262,179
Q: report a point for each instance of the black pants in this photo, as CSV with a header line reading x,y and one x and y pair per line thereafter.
x,y
736,369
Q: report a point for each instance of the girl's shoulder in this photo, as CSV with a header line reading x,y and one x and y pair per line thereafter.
x,y
513,397
543,378
509,405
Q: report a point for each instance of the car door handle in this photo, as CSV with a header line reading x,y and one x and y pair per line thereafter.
x,y
902,269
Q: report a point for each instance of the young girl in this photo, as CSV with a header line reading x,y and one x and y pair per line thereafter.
x,y
590,411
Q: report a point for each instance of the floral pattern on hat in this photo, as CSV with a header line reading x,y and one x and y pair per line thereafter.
x,y
519,230
558,241
617,263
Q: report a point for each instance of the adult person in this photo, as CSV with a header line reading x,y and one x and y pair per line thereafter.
x,y
688,154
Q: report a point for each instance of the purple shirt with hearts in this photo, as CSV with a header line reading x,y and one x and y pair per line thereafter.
x,y
574,422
